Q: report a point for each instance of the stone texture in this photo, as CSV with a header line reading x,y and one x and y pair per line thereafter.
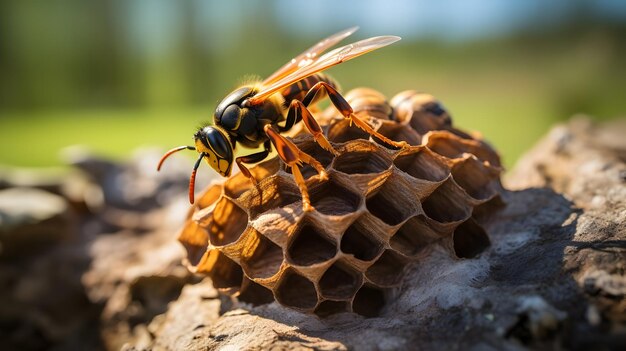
x,y
83,271
31,219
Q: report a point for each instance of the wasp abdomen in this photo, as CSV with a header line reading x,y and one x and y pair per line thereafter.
x,y
299,89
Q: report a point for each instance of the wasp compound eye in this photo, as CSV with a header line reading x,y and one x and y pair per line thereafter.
x,y
217,142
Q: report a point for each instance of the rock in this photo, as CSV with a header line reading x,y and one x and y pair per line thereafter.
x,y
581,161
198,310
81,271
49,179
538,320
129,194
134,275
31,219
135,186
42,302
552,278
587,164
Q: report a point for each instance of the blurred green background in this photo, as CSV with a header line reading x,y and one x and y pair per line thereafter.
x,y
114,75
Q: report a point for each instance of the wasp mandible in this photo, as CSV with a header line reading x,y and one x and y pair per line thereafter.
x,y
259,112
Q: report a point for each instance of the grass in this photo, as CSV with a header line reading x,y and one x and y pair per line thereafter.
x,y
36,138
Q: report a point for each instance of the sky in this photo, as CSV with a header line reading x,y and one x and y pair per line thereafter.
x,y
446,20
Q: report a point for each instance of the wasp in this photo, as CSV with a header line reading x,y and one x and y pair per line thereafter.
x,y
257,113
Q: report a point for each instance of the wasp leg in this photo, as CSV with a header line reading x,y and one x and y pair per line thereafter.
x,y
346,110
253,158
292,119
300,112
293,158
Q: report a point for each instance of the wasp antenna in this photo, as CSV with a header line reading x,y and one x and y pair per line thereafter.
x,y
170,152
192,179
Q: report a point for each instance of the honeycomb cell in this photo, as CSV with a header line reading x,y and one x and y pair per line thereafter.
x,y
341,132
447,144
421,111
261,258
195,240
447,204
358,240
387,271
310,246
421,163
368,301
461,134
255,294
329,307
224,272
239,184
296,291
330,198
309,146
227,223
483,211
475,178
339,282
397,132
469,239
452,146
362,162
389,203
413,236
209,196
274,192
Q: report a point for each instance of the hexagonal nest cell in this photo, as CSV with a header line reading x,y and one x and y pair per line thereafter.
x,y
380,209
310,246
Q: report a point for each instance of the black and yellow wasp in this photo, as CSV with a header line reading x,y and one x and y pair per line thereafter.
x,y
252,114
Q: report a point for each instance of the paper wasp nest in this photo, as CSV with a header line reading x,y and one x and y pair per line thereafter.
x,y
377,212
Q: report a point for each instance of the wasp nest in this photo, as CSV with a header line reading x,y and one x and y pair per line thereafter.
x,y
378,211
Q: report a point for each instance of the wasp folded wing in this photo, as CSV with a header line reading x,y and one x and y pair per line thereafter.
x,y
309,56
325,61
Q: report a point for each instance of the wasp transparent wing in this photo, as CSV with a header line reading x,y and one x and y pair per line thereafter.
x,y
309,55
325,61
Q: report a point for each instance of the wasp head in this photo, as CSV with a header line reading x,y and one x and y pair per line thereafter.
x,y
214,144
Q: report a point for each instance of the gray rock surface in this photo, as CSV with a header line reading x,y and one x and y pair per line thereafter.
x,y
84,271
31,219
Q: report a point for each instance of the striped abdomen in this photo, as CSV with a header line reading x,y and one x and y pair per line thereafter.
x,y
299,89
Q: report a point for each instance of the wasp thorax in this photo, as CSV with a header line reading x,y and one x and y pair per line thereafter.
x,y
229,112
379,209
231,116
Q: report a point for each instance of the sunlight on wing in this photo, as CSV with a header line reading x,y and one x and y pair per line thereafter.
x,y
325,61
309,55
